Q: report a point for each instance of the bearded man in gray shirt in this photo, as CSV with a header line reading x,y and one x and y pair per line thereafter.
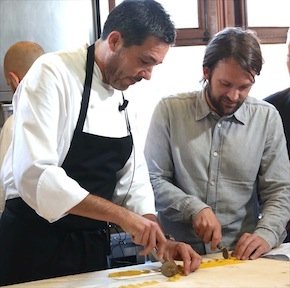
x,y
217,158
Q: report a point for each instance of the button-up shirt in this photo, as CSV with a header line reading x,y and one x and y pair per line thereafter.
x,y
237,165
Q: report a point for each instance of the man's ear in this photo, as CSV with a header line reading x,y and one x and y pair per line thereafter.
x,y
206,73
115,40
13,80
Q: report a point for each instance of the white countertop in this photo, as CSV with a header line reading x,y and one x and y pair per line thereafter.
x,y
260,273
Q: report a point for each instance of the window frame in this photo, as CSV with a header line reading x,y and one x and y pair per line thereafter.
x,y
213,16
266,34
190,36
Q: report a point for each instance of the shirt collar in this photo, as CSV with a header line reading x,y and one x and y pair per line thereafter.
x,y
203,109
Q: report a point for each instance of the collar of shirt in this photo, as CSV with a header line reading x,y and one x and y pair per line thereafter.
x,y
203,110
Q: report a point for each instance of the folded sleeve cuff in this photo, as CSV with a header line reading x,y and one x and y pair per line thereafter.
x,y
57,193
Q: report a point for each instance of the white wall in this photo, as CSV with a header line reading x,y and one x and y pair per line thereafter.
x,y
181,71
274,75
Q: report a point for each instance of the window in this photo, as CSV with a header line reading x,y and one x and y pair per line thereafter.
x,y
190,18
266,18
197,20
270,19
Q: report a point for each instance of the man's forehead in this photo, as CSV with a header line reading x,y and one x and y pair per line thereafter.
x,y
153,49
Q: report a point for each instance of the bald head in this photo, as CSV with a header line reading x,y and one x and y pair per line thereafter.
x,y
18,59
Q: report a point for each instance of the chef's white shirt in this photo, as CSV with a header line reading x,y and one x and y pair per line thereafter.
x,y
48,107
5,141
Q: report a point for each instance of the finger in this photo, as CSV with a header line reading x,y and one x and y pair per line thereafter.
x,y
208,234
191,261
241,246
216,238
149,242
195,261
167,255
257,253
184,252
161,244
136,238
200,231
254,247
146,237
263,248
248,247
197,231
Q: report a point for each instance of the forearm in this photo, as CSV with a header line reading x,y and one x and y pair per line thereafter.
x,y
174,202
273,223
98,208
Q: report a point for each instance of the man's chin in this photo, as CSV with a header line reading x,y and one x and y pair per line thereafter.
x,y
229,111
121,86
126,83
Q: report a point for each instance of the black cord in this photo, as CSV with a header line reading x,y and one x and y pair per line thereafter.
x,y
111,226
134,155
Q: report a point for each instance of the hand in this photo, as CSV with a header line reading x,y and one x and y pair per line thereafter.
x,y
207,227
250,246
181,251
145,232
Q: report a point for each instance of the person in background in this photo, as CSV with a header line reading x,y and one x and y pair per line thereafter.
x,y
214,154
17,61
75,164
281,100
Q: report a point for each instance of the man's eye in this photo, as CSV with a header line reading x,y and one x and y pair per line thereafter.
x,y
245,88
226,84
144,62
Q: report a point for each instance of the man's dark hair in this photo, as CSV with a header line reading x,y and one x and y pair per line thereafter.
x,y
138,19
233,42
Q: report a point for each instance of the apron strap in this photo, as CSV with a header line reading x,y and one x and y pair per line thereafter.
x,y
87,87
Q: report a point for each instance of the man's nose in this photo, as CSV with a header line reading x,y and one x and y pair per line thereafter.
x,y
146,73
233,94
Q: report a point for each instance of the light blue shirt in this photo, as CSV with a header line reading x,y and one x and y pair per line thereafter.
x,y
198,159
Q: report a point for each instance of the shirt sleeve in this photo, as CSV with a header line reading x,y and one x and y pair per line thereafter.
x,y
5,137
39,147
5,141
171,200
274,187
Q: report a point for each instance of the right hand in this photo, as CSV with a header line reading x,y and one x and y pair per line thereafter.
x,y
145,232
207,227
183,252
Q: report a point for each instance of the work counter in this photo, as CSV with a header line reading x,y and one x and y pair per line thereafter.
x,y
260,273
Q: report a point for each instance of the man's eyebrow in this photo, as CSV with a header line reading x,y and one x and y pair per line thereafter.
x,y
150,59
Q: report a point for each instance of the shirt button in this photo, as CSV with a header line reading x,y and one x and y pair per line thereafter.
x,y
219,125
215,154
212,183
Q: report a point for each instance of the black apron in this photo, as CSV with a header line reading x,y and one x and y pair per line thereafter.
x,y
32,248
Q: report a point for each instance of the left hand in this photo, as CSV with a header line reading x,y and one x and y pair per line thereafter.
x,y
250,246
175,250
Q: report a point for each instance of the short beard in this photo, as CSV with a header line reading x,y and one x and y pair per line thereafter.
x,y
215,105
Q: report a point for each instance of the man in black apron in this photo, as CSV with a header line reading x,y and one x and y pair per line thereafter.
x,y
31,248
